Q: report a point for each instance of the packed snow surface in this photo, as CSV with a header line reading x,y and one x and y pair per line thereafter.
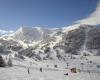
x,y
20,67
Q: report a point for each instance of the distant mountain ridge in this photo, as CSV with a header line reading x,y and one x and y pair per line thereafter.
x,y
32,34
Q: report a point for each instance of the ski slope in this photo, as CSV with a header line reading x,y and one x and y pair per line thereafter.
x,y
18,73
19,70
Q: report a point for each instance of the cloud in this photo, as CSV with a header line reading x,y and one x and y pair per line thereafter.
x,y
93,18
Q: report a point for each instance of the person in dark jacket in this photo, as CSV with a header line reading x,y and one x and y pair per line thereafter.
x,y
28,70
40,69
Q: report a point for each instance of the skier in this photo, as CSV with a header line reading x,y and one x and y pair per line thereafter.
x,y
28,70
40,69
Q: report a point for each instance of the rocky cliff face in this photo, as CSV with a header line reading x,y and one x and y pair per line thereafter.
x,y
94,39
93,43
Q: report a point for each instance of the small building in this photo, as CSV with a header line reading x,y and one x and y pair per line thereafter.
x,y
75,70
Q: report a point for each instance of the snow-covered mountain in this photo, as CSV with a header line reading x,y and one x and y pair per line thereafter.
x,y
57,51
55,43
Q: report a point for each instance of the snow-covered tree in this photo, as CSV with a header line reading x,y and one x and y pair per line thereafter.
x,y
10,61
